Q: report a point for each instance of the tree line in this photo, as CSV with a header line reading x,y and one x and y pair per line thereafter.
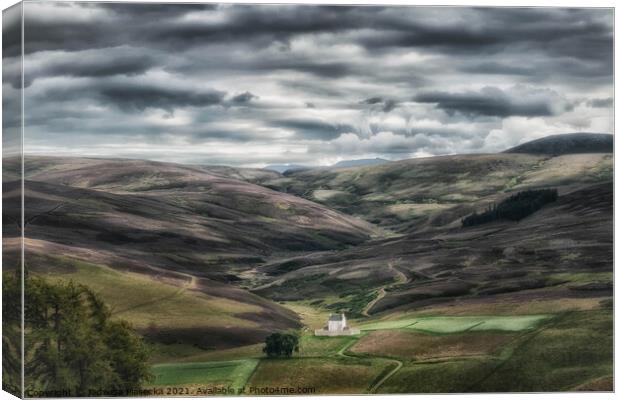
x,y
514,208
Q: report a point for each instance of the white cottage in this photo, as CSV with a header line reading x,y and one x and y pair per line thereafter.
x,y
336,322
336,326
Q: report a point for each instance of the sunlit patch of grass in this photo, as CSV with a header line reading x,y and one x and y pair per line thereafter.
x,y
216,373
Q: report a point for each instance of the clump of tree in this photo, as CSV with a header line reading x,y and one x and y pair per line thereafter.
x,y
281,344
11,333
71,341
514,208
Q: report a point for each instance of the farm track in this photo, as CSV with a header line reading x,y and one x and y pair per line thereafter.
x,y
373,388
400,280
399,365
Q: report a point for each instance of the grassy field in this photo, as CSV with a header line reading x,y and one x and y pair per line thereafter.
x,y
217,373
178,352
460,324
316,346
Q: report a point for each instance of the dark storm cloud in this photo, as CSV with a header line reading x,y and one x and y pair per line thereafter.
x,y
131,96
386,105
497,68
134,97
397,26
243,98
154,10
372,100
129,65
103,64
11,31
313,129
494,102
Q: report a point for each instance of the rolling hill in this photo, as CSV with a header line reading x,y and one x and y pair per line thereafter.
x,y
359,163
497,263
429,192
189,231
571,143
211,257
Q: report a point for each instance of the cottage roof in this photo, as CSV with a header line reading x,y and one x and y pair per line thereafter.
x,y
335,317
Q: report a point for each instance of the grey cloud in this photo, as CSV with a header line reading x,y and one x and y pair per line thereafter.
x,y
372,100
313,129
105,63
129,65
498,68
11,31
118,70
494,102
131,96
387,105
223,134
154,10
135,97
244,98
601,103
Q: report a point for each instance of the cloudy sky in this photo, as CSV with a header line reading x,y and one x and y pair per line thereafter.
x,y
252,85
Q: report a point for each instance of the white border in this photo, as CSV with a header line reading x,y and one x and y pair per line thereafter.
x,y
484,3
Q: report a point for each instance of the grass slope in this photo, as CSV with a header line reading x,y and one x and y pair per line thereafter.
x,y
460,324
182,317
217,373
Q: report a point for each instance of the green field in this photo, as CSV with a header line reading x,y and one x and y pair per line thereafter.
x,y
450,354
460,324
515,323
217,373
390,324
315,346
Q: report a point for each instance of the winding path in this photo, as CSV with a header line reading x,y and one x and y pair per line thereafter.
x,y
400,280
376,386
373,389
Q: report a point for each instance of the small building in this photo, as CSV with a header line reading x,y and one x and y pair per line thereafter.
x,y
336,326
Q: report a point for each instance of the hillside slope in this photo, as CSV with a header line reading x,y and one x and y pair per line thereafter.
x,y
429,192
188,231
570,143
161,208
539,258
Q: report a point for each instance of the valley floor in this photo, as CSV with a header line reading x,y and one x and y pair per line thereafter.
x,y
421,354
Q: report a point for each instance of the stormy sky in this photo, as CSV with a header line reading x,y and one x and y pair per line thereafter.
x,y
250,85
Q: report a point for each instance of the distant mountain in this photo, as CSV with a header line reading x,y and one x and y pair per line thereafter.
x,y
282,168
359,163
570,143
